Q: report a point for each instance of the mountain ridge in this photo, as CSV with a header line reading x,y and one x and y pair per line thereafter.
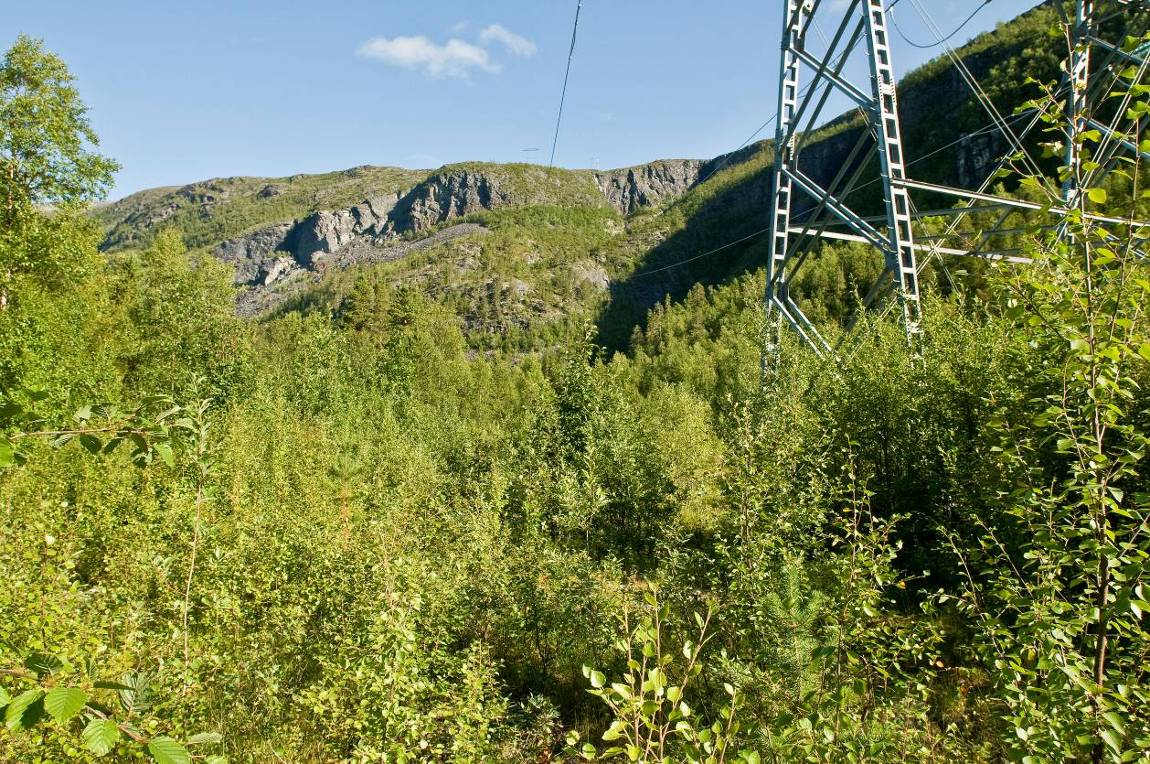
x,y
640,229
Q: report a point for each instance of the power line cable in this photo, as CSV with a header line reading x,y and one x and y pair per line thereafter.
x,y
935,44
976,88
728,245
566,76
981,131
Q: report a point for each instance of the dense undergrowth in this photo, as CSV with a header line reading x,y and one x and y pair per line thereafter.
x,y
349,537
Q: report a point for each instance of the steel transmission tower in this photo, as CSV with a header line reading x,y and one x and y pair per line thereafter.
x,y
861,41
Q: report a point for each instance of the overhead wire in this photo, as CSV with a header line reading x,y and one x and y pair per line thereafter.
x,y
999,123
566,77
700,256
981,131
948,37
802,93
953,226
980,94
1105,153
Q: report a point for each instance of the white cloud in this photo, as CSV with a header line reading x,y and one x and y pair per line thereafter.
x,y
516,44
455,58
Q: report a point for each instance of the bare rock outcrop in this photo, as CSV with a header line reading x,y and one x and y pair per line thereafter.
x,y
325,232
252,255
445,196
282,275
630,188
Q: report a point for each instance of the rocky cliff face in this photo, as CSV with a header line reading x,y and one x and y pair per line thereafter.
x,y
253,255
325,232
279,274
648,185
445,196
278,252
275,252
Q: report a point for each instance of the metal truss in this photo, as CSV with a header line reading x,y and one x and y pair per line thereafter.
x,y
861,36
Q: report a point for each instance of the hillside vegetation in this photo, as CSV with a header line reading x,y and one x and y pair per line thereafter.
x,y
528,493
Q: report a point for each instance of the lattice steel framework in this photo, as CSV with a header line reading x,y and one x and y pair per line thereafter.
x,y
863,30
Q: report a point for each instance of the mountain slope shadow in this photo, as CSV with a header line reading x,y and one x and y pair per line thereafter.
x,y
728,207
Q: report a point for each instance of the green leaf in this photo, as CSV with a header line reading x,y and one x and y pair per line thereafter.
x,y
63,703
10,409
165,452
7,452
138,697
1097,195
205,737
597,679
91,443
5,698
216,759
167,751
100,736
42,664
1115,722
1112,739
25,710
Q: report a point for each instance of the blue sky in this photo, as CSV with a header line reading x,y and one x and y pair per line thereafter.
x,y
183,91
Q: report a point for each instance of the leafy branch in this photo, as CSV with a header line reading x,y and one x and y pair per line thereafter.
x,y
43,699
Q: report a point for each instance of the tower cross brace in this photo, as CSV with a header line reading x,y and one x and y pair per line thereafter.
x,y
863,28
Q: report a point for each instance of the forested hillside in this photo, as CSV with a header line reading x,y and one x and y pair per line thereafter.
x,y
479,464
